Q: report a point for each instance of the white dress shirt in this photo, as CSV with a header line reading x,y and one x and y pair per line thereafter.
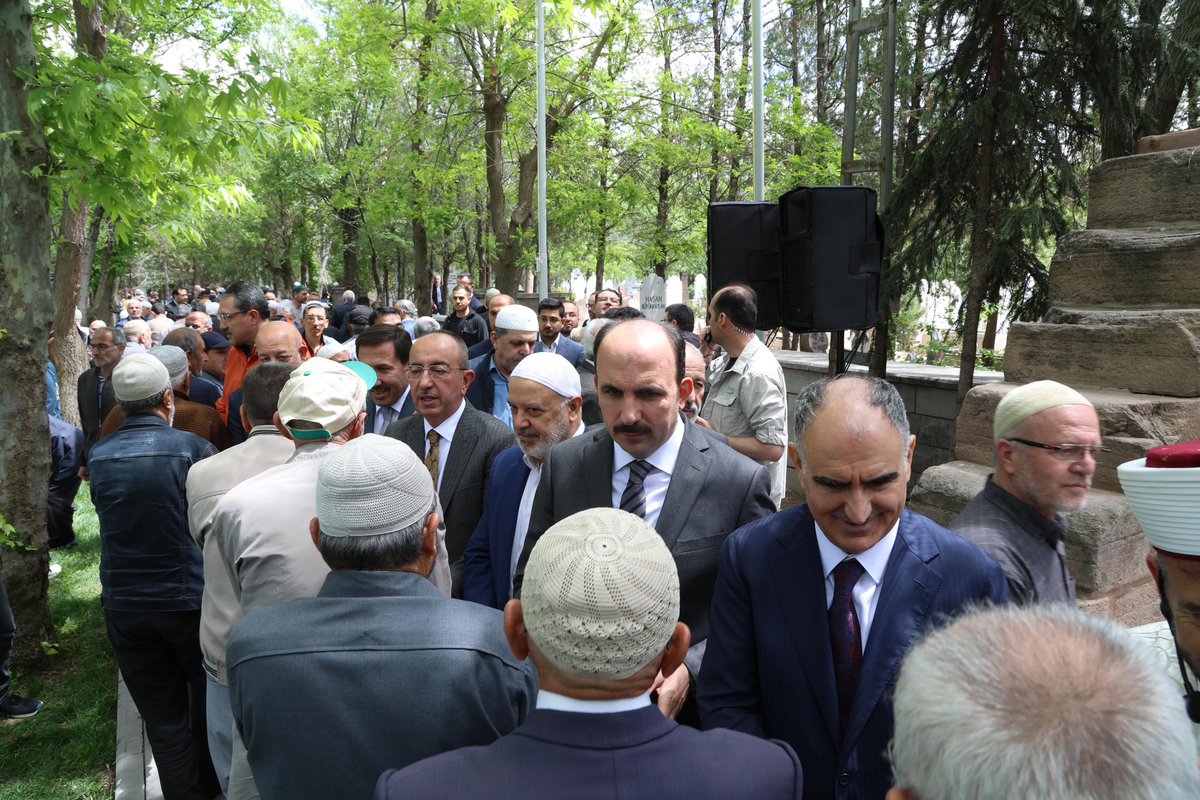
x,y
866,591
446,431
657,480
383,420
558,702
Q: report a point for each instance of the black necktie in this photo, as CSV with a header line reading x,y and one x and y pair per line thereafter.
x,y
845,635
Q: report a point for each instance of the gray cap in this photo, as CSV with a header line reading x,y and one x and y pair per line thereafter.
x,y
601,594
139,376
171,357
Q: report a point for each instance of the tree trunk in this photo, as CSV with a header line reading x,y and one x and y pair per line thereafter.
x,y
26,310
1173,78
983,216
87,272
495,116
716,103
662,213
347,219
743,89
422,275
68,352
102,299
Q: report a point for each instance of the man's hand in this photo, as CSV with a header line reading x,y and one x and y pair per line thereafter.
x,y
672,691
84,473
702,422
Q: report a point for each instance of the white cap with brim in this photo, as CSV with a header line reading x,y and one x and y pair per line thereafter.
x,y
550,370
327,393
1033,398
600,594
139,376
172,357
1163,490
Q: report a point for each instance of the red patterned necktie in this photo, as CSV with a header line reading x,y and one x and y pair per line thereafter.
x,y
845,635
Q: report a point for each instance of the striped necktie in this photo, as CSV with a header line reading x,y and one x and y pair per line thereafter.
x,y
633,499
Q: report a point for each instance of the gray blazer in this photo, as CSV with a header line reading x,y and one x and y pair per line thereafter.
x,y
714,490
477,441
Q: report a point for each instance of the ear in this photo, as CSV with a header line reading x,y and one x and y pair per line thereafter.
x,y
794,455
429,543
314,530
1004,457
574,408
279,426
514,629
360,425
912,449
896,793
468,379
495,339
245,419
676,650
686,387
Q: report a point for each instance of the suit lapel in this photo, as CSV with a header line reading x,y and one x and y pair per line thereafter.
x,y
691,468
506,525
800,586
909,587
465,436
600,453
371,411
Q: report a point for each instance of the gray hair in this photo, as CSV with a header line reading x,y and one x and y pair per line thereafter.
x,y
348,296
423,326
117,334
589,336
408,307
144,406
374,553
1039,701
878,392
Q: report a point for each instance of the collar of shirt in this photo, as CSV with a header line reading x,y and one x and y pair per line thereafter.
x,y
662,459
549,701
866,591
553,346
265,430
449,425
1052,530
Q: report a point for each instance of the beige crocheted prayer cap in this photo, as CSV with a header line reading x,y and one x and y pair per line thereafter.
x,y
1033,398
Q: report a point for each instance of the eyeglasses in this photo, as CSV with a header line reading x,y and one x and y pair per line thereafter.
x,y
439,372
1067,452
102,347
227,317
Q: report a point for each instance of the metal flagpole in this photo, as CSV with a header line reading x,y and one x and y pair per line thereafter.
x,y
543,265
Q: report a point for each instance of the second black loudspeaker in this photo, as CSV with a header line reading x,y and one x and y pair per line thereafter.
x,y
832,243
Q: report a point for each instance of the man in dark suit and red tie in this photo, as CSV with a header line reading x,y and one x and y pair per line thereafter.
x,y
816,606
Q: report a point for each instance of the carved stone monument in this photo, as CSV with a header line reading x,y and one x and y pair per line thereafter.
x,y
1124,329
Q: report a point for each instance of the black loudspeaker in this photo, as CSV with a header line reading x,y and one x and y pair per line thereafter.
x,y
743,247
833,244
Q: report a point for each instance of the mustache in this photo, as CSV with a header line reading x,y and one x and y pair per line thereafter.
x,y
635,428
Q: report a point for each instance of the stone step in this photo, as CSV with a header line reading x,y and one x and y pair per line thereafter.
x,y
1129,423
1133,268
1147,191
1105,545
1147,352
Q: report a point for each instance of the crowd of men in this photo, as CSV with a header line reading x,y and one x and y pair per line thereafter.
x,y
482,558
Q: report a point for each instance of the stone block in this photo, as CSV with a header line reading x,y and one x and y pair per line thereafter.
x,y
1130,424
932,431
1127,269
944,489
935,401
908,393
1151,353
1137,604
1146,191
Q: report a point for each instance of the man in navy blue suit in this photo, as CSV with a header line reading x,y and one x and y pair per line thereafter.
x,y
816,606
385,348
550,324
544,397
598,616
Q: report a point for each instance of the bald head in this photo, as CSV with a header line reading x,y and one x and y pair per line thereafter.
x,y
495,304
279,342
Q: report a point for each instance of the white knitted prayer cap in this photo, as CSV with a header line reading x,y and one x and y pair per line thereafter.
x,y
517,317
325,392
550,370
601,594
1033,398
372,486
139,376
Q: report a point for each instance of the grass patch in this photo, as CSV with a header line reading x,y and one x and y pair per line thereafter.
x,y
67,751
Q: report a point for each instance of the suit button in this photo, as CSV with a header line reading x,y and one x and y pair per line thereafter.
x,y
844,779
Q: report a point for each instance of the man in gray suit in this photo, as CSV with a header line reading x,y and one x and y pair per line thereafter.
x,y
690,488
456,441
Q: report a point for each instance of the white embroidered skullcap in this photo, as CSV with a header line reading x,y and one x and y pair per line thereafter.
x,y
600,594
1164,491
372,486
173,358
138,376
1033,398
330,350
516,317
550,370
325,392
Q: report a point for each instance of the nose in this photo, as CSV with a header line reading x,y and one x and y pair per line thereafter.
x,y
857,507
